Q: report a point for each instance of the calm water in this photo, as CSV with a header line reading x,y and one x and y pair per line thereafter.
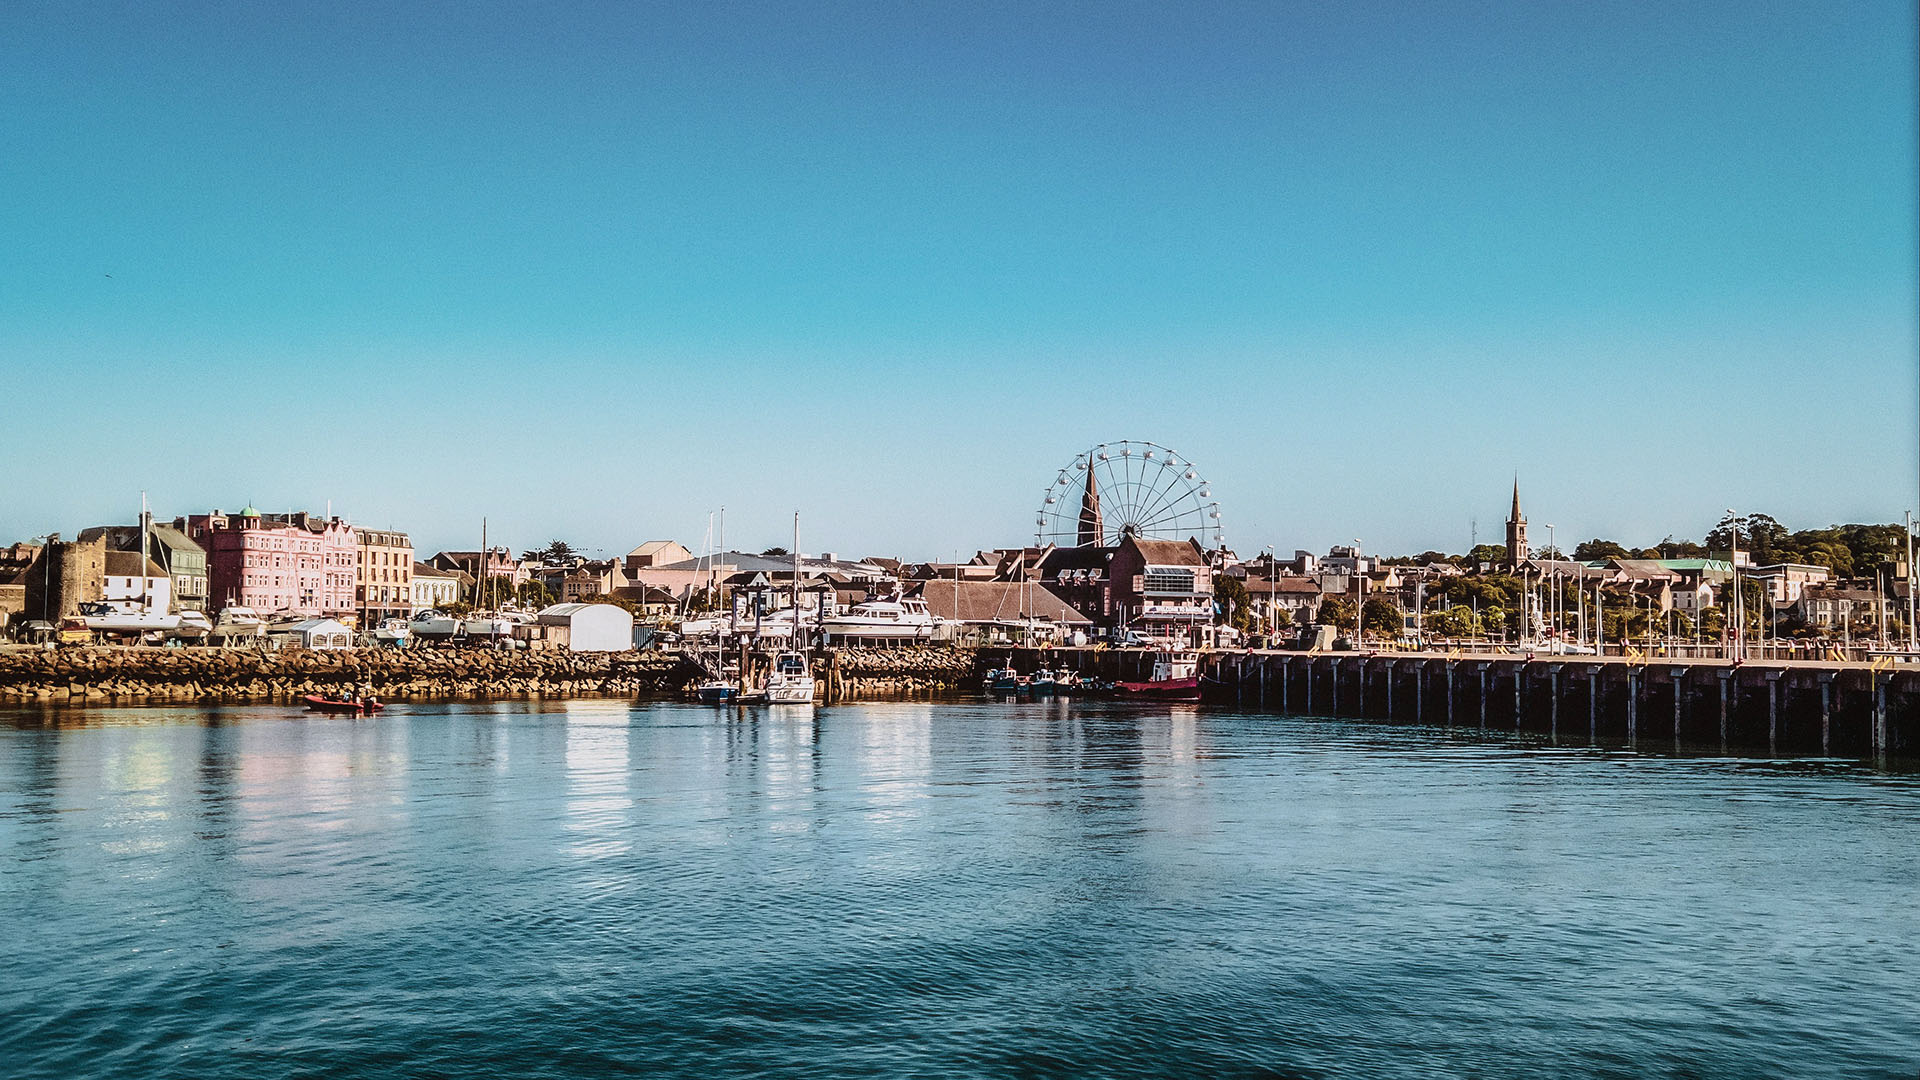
x,y
593,888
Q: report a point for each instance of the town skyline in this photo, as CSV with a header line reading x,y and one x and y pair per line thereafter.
x,y
609,268
522,531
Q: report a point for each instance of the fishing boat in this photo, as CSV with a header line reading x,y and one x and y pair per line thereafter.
x,y
322,703
717,691
899,619
1175,677
1042,683
1002,680
789,681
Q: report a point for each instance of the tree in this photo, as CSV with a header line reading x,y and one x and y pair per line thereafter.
x,y
1454,622
1231,599
630,606
1488,553
1759,534
1282,618
533,594
1385,617
1597,550
1336,611
556,551
492,591
774,553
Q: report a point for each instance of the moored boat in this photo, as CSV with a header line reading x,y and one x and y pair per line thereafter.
x,y
1175,677
907,620
1002,680
789,681
717,691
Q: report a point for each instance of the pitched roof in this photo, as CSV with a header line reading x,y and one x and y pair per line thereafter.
x,y
421,569
1075,558
997,601
1168,552
1291,584
127,564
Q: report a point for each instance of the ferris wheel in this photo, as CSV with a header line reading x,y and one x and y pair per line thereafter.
x,y
1128,488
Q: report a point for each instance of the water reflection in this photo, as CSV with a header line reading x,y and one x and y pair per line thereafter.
x,y
941,889
598,799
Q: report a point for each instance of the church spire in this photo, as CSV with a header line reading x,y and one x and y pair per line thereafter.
x,y
1516,530
1092,532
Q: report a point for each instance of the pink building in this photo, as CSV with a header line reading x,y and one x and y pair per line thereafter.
x,y
277,564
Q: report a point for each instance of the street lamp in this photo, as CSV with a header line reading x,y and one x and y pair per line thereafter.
x,y
45,543
1273,572
1359,598
1739,602
1553,588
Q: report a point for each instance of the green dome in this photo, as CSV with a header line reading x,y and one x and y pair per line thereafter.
x,y
249,512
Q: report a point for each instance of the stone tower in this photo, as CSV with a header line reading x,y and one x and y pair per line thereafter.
x,y
1516,531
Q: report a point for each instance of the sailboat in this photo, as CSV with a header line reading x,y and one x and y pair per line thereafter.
x,y
790,681
129,615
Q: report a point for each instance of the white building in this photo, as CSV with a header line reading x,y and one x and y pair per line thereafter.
x,y
582,628
433,587
123,581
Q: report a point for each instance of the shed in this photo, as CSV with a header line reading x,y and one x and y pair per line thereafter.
x,y
585,628
316,634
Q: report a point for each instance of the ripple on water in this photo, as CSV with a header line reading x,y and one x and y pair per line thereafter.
x,y
962,889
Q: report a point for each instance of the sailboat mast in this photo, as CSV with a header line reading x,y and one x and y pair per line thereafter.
x,y
796,577
481,578
146,542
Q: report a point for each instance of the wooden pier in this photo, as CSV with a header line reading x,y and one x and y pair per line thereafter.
x,y
1859,710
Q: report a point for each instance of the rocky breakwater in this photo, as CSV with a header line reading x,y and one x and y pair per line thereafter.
x,y
108,673
902,669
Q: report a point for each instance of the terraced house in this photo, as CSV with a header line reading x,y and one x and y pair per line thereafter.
x,y
383,576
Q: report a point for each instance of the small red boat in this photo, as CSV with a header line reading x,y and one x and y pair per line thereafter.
x,y
1176,677
1161,689
341,705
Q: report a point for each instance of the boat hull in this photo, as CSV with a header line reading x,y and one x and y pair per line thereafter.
x,y
1160,689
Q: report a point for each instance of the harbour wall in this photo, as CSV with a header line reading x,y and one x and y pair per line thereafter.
x,y
1845,709
132,674
1853,710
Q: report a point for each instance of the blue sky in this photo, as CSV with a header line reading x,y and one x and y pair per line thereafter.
x,y
595,270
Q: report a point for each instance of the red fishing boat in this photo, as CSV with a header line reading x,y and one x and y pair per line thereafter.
x,y
341,705
1175,677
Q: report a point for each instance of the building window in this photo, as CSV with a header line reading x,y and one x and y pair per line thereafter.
x,y
1169,579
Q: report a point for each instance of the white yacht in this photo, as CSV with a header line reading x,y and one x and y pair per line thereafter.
x,y
907,619
393,633
125,617
493,627
239,622
194,625
789,681
433,625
